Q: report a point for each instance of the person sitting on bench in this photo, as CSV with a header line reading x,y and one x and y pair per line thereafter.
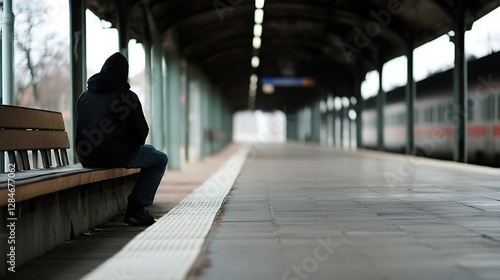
x,y
111,131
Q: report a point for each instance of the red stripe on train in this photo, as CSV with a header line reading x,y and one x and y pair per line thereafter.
x,y
476,131
496,131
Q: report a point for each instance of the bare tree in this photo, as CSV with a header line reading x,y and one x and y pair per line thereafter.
x,y
38,49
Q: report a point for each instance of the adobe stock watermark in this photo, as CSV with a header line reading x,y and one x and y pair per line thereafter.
x,y
222,7
310,264
362,38
11,218
94,137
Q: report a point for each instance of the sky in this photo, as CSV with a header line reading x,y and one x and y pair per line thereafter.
x,y
102,41
432,57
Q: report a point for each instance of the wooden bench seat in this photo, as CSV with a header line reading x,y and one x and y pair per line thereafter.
x,y
30,184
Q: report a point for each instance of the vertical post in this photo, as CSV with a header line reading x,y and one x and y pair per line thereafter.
x,y
359,108
187,110
157,131
315,122
334,124
380,112
1,64
123,27
78,59
342,115
173,109
460,85
2,156
410,100
148,81
8,53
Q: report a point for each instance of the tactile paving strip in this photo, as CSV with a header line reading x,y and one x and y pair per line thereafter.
x,y
168,249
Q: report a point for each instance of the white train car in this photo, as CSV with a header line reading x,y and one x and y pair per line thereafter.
x,y
434,114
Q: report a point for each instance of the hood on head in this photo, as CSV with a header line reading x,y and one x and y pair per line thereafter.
x,y
113,75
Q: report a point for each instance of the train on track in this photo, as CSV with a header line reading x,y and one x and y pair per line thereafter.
x,y
434,115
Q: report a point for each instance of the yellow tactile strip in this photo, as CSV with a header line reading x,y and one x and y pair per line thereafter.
x,y
168,249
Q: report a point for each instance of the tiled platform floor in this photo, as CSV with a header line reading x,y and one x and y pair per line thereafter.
x,y
306,212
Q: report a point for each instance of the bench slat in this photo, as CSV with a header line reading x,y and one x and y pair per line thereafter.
x,y
12,117
46,159
15,140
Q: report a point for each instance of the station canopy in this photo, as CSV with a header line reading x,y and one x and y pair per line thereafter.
x,y
333,42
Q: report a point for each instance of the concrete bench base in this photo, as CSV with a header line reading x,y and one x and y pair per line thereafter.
x,y
43,222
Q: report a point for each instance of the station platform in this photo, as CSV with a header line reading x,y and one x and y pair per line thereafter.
x,y
302,211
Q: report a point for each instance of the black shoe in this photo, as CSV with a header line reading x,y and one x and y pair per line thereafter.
x,y
139,216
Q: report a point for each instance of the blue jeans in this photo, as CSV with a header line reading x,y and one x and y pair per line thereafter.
x,y
153,164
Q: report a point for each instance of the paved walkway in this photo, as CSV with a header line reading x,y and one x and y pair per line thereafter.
x,y
76,258
305,212
301,212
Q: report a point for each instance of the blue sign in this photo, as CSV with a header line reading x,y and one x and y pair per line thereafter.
x,y
288,81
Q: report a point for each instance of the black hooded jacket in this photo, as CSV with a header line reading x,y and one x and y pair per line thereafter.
x,y
110,123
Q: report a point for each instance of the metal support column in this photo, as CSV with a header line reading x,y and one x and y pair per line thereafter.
x,y
174,134
342,115
8,53
123,26
380,112
334,124
315,122
187,110
78,51
359,109
410,101
157,131
460,85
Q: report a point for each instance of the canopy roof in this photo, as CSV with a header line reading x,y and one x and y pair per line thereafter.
x,y
331,41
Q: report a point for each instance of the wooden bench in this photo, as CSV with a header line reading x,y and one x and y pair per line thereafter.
x,y
54,200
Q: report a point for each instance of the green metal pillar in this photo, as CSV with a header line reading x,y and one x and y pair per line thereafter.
x,y
342,116
157,118
148,85
187,108
380,112
315,122
173,96
8,96
359,109
123,26
334,124
460,84
78,60
292,127
410,101
205,93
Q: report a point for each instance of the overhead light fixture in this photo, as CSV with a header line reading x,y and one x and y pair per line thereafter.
x,y
345,101
259,4
338,103
254,79
255,62
256,42
330,103
257,30
322,106
259,16
352,114
253,87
